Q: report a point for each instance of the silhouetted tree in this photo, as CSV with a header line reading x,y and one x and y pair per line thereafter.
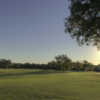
x,y
87,66
77,66
5,63
53,65
83,23
63,61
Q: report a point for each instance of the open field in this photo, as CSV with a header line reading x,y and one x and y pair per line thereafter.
x,y
41,85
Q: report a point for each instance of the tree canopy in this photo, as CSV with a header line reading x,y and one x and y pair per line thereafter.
x,y
60,63
83,23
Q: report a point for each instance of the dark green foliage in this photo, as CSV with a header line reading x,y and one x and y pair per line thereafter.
x,y
60,63
87,66
5,63
83,23
77,66
64,62
97,68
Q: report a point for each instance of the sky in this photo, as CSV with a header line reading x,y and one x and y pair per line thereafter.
x,y
33,31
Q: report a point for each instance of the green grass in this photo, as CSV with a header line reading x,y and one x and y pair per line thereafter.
x,y
41,85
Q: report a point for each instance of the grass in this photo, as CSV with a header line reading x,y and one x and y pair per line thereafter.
x,y
42,85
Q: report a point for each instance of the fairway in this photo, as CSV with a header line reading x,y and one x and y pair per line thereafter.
x,y
42,85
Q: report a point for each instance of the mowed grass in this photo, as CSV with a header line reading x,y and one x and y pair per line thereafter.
x,y
45,85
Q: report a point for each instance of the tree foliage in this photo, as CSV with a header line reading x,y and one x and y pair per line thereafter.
x,y
60,63
83,23
64,61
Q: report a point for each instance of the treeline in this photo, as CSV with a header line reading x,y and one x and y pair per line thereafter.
x,y
60,63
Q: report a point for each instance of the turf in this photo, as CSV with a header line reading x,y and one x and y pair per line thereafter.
x,y
45,85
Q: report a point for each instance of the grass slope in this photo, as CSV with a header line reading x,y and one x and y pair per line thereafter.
x,y
41,85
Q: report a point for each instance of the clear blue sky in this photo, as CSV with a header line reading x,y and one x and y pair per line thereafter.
x,y
33,31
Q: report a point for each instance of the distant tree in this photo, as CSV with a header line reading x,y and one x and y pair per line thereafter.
x,y
87,66
27,66
63,61
83,23
5,63
17,65
97,68
77,66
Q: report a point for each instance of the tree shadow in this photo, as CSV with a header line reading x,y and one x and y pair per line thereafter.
x,y
41,72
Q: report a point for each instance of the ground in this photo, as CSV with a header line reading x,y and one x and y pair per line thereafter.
x,y
44,85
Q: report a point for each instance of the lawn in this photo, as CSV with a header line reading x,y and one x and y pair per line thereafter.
x,y
42,85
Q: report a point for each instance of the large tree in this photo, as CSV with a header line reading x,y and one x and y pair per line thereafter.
x,y
83,23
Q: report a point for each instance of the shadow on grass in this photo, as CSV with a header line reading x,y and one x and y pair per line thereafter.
x,y
41,72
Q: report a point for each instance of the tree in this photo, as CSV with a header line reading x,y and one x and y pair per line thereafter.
x,y
77,66
53,65
5,63
64,62
83,23
87,66
97,68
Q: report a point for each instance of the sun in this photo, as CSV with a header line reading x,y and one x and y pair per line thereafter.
x,y
96,57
